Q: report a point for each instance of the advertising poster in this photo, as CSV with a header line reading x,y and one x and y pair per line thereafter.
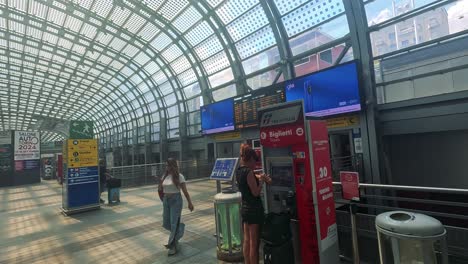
x,y
27,145
323,184
24,165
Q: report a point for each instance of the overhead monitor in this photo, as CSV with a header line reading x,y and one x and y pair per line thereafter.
x,y
224,169
217,117
328,92
246,106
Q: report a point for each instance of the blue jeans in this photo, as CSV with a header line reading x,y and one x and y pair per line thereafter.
x,y
172,204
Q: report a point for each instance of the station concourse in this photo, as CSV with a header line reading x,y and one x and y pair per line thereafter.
x,y
122,124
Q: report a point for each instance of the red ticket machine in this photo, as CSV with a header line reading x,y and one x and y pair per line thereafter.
x,y
296,155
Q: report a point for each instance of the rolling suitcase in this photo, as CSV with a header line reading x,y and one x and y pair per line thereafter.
x,y
113,190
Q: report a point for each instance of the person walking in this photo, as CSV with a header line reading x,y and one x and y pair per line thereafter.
x,y
103,173
171,183
250,186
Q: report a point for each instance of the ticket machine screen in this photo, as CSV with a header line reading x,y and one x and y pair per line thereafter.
x,y
282,185
282,176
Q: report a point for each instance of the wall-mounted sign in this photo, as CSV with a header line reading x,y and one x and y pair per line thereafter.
x,y
227,136
27,145
344,121
81,129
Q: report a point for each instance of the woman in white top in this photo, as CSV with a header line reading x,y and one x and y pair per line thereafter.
x,y
172,183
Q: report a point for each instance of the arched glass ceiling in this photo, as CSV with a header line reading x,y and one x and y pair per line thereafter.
x,y
48,136
130,65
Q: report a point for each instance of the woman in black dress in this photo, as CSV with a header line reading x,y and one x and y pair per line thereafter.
x,y
250,186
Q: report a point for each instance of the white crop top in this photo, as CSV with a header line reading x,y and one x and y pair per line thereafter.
x,y
169,186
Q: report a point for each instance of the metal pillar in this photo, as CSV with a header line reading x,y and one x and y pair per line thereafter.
x,y
362,50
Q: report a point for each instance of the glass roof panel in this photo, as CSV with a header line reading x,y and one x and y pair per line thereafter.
x,y
180,65
256,42
187,19
247,23
160,42
311,14
209,47
199,33
285,6
171,53
216,63
171,8
231,9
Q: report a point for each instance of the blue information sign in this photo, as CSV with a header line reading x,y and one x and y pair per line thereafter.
x,y
224,169
83,186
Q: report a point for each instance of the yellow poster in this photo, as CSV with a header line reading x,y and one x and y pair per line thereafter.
x,y
344,121
82,153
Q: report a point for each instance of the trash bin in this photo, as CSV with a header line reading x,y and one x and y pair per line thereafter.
x,y
410,238
228,226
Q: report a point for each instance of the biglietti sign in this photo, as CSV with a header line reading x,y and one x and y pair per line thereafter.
x,y
281,114
282,125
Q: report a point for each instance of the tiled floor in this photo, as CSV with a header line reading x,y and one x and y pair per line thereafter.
x,y
33,230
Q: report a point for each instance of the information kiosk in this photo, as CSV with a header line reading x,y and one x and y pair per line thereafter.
x,y
296,155
227,212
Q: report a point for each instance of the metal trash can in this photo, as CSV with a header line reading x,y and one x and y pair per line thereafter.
x,y
410,238
228,226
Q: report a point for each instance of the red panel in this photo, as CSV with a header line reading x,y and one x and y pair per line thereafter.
x,y
305,205
282,136
323,177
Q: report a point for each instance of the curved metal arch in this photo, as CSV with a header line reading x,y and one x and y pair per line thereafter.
x,y
281,37
179,36
24,36
167,65
76,34
126,63
221,29
35,69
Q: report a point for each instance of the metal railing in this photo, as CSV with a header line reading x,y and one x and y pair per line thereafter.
x,y
448,205
146,174
345,163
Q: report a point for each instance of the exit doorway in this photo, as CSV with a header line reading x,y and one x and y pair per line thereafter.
x,y
342,152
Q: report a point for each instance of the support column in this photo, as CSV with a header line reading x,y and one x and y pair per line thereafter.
x,y
184,148
362,50
163,146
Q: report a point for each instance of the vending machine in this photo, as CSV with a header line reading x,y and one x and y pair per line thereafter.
x,y
296,155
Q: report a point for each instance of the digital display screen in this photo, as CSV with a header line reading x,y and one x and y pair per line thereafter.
x,y
224,169
329,92
282,176
246,107
217,117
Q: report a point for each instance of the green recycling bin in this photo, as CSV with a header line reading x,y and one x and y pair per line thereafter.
x,y
410,238
228,226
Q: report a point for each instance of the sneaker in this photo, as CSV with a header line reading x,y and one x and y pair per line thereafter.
x,y
172,251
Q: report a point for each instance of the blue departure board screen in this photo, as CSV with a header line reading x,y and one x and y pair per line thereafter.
x,y
328,92
217,117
